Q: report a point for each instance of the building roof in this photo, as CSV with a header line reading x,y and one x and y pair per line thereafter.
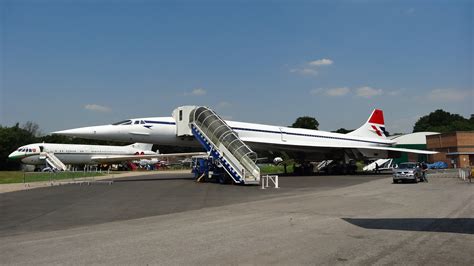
x,y
461,153
413,138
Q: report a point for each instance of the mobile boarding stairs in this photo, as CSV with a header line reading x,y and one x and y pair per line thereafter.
x,y
53,161
220,142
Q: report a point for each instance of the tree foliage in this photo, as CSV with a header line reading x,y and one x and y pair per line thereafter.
x,y
31,128
306,122
442,121
343,130
10,139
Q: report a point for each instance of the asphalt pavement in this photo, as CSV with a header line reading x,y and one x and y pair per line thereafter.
x,y
169,219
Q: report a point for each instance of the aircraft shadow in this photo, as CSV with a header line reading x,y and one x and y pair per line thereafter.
x,y
445,225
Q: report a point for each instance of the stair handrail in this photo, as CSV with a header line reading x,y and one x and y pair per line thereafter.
x,y
244,158
54,161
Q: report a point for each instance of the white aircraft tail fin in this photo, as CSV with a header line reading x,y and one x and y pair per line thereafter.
x,y
373,128
142,146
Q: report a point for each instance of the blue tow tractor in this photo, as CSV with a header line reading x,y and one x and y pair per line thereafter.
x,y
206,169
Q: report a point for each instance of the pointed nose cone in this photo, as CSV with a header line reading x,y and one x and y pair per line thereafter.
x,y
78,132
14,155
105,132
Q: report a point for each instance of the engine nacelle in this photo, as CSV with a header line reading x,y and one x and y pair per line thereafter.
x,y
277,160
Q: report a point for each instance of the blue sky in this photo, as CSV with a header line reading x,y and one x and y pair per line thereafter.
x,y
66,64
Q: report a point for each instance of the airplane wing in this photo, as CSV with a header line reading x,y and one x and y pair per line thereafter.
x,y
305,147
368,141
122,158
398,149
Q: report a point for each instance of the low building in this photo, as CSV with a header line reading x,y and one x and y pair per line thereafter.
x,y
415,141
455,148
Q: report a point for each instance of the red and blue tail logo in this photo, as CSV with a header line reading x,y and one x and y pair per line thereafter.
x,y
377,123
374,127
379,130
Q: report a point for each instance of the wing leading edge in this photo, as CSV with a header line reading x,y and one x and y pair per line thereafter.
x,y
121,158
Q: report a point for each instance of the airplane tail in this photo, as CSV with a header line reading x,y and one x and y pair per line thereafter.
x,y
373,128
142,146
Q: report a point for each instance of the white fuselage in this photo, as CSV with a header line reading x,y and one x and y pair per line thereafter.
x,y
72,153
162,131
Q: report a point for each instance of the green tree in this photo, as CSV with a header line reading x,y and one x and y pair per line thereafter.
x,y
10,139
442,121
306,122
343,130
73,140
32,128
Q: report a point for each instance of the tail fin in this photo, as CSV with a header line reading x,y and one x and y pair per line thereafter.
x,y
374,127
142,146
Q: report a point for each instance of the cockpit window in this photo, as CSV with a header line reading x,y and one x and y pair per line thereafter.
x,y
137,122
125,122
142,122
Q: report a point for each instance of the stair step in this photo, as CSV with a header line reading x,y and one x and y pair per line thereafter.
x,y
225,161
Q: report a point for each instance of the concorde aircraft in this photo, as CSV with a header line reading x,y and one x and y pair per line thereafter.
x,y
39,153
368,141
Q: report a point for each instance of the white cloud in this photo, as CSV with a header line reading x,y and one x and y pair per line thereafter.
x,y
310,68
449,95
304,71
97,108
337,91
196,92
368,92
333,92
321,62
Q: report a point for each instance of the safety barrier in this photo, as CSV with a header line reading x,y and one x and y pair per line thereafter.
x,y
465,174
265,181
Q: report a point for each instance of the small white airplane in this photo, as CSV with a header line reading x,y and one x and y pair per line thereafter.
x,y
38,153
368,141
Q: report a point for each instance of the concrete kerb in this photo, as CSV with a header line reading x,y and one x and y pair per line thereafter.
x,y
106,179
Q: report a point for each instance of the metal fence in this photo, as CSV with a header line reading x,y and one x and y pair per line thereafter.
x,y
64,177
